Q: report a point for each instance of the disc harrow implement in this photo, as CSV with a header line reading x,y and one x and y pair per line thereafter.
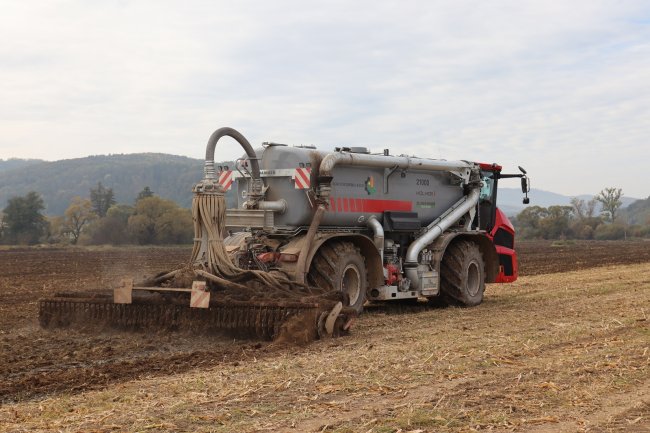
x,y
260,320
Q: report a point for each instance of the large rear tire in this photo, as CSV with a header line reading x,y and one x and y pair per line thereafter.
x,y
462,274
340,266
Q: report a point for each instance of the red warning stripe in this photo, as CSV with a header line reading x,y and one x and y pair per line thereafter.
x,y
199,300
302,178
225,179
200,297
348,204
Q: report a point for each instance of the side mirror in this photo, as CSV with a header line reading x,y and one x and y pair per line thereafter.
x,y
525,188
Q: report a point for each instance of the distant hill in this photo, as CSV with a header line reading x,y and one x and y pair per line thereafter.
x,y
169,176
509,199
12,163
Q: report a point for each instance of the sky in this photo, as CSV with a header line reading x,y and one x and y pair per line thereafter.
x,y
561,88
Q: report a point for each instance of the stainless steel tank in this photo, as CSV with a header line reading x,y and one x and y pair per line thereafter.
x,y
357,193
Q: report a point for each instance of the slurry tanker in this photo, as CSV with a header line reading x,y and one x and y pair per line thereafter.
x,y
312,236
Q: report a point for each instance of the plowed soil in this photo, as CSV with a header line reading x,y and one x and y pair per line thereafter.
x,y
566,348
545,257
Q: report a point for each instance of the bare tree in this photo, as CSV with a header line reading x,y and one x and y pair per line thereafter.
x,y
579,207
611,201
591,208
583,209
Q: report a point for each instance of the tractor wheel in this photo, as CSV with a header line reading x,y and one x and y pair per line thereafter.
x,y
340,266
462,274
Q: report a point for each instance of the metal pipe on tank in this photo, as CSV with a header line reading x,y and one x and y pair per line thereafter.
x,y
378,234
404,162
279,206
446,220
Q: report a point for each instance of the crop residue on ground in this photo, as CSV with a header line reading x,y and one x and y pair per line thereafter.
x,y
552,352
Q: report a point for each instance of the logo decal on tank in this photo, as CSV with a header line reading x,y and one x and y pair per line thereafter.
x,y
370,186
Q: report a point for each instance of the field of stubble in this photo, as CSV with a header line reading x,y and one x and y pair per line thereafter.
x,y
565,348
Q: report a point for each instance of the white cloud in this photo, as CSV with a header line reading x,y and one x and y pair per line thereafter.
x,y
560,88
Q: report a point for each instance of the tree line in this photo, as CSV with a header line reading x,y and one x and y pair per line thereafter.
x,y
580,220
97,219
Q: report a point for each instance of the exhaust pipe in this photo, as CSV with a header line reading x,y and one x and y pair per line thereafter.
x,y
434,230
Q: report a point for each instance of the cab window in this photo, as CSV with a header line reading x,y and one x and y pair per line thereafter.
x,y
486,189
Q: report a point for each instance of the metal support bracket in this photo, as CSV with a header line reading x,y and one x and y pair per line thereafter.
x,y
387,173
199,293
331,318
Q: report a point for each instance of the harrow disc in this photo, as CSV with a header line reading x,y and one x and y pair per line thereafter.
x,y
237,318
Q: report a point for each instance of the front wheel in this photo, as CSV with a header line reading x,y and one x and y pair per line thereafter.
x,y
462,274
340,266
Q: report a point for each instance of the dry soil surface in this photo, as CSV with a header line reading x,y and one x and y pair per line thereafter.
x,y
565,348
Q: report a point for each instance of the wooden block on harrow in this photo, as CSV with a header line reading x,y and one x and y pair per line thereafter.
x,y
124,293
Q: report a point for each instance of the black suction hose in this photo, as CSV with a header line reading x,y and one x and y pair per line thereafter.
x,y
212,143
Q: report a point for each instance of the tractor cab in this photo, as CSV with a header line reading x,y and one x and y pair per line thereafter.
x,y
495,223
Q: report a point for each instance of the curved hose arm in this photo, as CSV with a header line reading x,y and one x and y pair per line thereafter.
x,y
208,170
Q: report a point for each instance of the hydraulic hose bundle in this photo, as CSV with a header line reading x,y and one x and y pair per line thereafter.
x,y
210,258
209,216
